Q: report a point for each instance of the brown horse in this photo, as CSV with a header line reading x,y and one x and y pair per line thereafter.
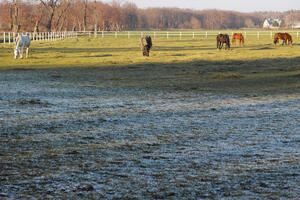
x,y
239,37
221,39
283,36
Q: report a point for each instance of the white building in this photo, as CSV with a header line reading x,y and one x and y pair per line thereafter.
x,y
295,25
272,23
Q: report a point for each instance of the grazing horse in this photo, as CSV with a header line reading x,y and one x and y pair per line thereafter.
x,y
239,37
146,45
21,42
221,39
283,36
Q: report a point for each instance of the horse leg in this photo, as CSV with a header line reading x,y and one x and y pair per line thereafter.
x,y
27,52
21,52
145,51
219,45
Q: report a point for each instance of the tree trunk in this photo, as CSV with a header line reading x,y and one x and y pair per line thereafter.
x,y
49,24
95,20
36,27
11,18
16,26
84,15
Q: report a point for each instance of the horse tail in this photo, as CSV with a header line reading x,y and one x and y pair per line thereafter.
x,y
289,37
228,42
275,38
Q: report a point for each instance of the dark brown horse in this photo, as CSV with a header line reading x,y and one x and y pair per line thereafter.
x,y
239,37
221,39
283,36
146,45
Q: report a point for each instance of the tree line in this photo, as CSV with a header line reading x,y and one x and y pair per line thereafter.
x,y
91,15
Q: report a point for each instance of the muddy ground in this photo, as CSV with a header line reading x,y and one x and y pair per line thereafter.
x,y
152,131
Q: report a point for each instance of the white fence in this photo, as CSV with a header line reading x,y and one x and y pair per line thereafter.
x,y
187,34
8,37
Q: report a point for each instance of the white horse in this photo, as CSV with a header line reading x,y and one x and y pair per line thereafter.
x,y
21,42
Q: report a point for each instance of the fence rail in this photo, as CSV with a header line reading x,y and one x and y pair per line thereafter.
x,y
188,34
9,37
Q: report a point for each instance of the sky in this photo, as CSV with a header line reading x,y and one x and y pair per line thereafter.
x,y
235,5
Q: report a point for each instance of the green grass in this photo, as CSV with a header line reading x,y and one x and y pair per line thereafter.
x,y
121,51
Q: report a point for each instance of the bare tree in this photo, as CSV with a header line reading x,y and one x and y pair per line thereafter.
x,y
52,6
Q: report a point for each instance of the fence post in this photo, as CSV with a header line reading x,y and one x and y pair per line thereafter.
x,y
193,35
257,34
128,35
154,35
141,34
206,34
271,34
180,34
9,37
4,37
167,35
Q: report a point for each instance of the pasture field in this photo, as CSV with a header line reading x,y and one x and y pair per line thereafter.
x,y
91,118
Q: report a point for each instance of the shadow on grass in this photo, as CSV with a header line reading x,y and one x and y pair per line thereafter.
x,y
96,56
263,48
231,76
